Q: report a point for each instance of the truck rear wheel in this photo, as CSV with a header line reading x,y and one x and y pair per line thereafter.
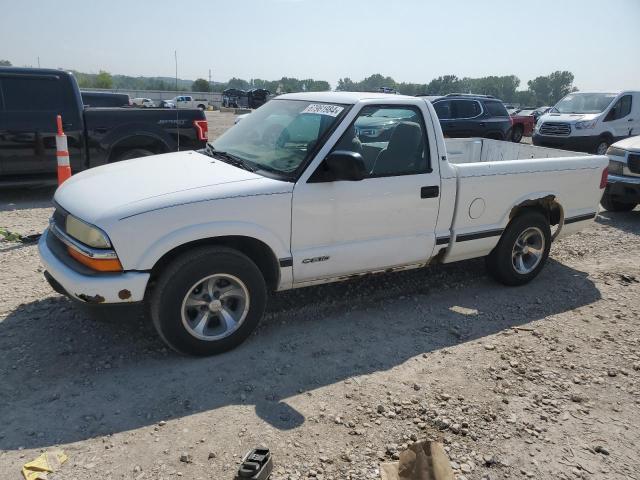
x,y
612,205
208,301
522,250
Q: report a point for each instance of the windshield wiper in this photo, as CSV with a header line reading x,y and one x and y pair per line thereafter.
x,y
229,158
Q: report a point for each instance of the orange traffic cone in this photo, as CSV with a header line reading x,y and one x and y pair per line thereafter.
x,y
62,153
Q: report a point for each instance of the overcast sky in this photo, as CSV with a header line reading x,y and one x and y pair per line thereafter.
x,y
409,40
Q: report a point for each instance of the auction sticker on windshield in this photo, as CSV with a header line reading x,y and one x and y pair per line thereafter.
x,y
324,109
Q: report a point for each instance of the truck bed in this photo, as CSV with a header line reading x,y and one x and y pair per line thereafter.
x,y
473,150
492,177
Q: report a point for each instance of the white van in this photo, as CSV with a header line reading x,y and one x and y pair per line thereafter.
x,y
589,121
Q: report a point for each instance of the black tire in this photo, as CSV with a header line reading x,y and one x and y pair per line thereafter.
x,y
134,153
499,262
602,145
612,205
516,134
202,107
178,278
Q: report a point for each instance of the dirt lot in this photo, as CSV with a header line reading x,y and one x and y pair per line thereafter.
x,y
537,382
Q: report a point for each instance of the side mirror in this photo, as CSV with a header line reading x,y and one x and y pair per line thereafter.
x,y
346,165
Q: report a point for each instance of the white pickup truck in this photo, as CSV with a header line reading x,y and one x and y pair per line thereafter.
x,y
292,197
187,101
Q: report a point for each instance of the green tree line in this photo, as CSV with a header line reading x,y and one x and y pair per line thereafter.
x,y
542,90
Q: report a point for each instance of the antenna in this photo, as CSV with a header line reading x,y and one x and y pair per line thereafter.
x,y
175,55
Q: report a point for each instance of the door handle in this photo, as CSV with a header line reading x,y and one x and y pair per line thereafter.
x,y
430,192
630,120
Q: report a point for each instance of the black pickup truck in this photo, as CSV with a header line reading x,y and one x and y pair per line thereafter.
x,y
30,100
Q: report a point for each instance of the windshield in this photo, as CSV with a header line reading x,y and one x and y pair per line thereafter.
x,y
279,136
584,103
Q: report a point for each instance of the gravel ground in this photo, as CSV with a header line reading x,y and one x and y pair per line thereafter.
x,y
540,381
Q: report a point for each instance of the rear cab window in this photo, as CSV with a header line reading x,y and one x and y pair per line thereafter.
x,y
39,94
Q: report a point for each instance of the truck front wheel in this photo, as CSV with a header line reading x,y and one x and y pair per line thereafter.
x,y
207,301
522,250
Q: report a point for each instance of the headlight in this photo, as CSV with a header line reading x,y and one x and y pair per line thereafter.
x,y
85,233
615,167
616,152
585,124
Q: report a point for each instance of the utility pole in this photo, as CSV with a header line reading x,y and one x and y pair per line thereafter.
x,y
175,54
210,85
38,61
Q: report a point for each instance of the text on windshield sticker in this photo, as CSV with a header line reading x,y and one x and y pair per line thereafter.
x,y
324,109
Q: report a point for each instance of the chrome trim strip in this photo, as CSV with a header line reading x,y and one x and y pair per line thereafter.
x,y
79,247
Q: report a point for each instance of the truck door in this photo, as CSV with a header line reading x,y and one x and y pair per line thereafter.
x,y
383,221
619,120
27,138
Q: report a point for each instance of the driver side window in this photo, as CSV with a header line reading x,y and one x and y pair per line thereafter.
x,y
391,140
621,109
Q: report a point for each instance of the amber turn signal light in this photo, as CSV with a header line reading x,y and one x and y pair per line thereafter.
x,y
98,264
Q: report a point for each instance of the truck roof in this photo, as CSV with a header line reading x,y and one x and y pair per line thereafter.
x,y
34,71
341,97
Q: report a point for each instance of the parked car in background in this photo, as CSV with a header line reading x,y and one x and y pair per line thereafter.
x,y
523,124
511,109
256,97
30,100
187,101
379,124
468,115
623,185
105,99
143,102
166,104
235,98
538,112
290,197
589,121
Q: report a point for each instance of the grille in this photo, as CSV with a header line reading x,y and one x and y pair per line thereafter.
x,y
555,128
633,161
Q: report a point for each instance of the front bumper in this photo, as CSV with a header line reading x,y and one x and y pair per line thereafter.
x,y
623,187
586,143
78,282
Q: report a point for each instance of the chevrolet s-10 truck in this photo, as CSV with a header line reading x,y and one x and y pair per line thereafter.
x,y
292,197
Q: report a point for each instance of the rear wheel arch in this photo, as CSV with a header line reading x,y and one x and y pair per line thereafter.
x,y
149,143
547,205
256,250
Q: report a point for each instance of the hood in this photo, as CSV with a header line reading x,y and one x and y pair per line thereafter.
x,y
142,184
568,117
631,144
